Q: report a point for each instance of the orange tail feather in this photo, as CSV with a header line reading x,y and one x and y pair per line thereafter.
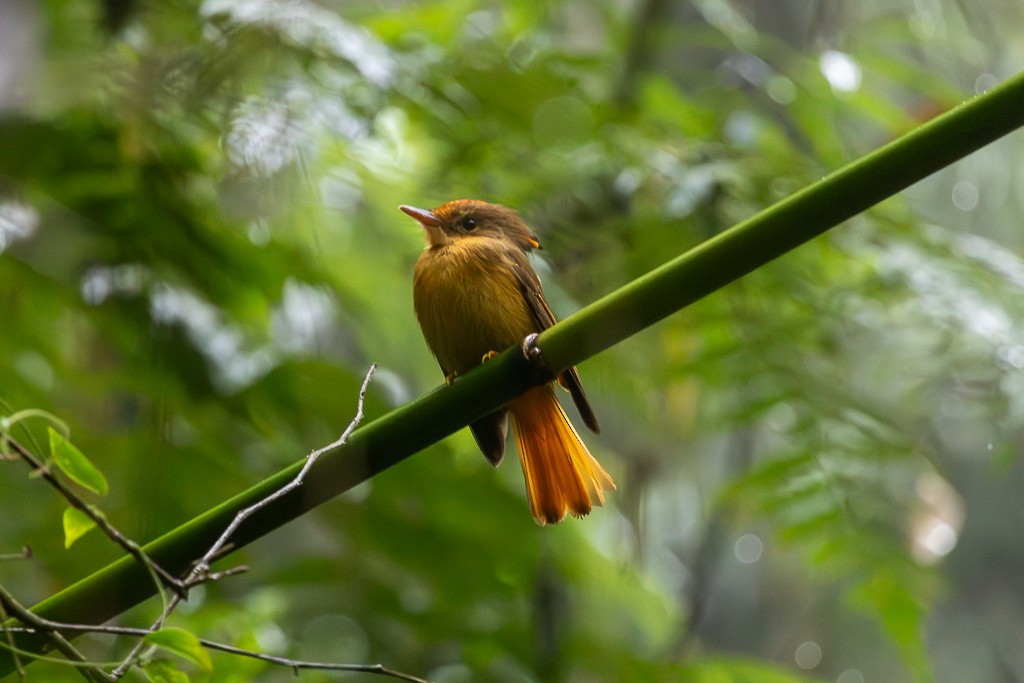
x,y
561,474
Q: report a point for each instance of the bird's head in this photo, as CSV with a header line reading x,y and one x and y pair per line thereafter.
x,y
467,218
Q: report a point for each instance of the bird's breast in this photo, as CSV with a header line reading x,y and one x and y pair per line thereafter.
x,y
468,302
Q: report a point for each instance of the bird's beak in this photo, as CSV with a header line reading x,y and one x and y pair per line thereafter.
x,y
426,218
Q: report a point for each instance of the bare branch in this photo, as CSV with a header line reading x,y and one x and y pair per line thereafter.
x,y
10,606
9,636
25,554
199,573
96,516
323,666
204,564
201,570
46,625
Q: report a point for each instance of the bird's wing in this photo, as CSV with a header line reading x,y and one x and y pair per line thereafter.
x,y
530,286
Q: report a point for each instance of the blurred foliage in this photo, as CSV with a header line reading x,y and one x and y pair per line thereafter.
x,y
818,466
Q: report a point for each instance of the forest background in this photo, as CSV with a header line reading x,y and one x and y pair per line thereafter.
x,y
819,466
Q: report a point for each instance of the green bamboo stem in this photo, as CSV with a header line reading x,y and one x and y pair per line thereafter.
x,y
787,224
637,305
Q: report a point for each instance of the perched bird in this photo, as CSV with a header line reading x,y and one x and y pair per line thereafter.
x,y
475,293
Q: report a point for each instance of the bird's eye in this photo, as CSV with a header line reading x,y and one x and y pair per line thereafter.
x,y
469,224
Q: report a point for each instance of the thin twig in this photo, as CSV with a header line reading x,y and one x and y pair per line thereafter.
x,y
9,636
9,605
47,625
204,564
200,572
25,554
201,569
217,576
323,666
76,501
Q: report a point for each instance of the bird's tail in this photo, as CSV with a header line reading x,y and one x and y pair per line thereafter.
x,y
561,474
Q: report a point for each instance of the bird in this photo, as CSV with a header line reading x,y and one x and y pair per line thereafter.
x,y
475,293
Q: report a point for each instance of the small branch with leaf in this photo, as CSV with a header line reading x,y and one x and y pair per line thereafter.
x,y
67,461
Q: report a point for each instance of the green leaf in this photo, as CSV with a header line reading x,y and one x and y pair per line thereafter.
x,y
182,643
76,525
902,614
75,465
162,671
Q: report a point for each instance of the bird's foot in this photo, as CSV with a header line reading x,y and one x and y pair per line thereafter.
x,y
533,354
